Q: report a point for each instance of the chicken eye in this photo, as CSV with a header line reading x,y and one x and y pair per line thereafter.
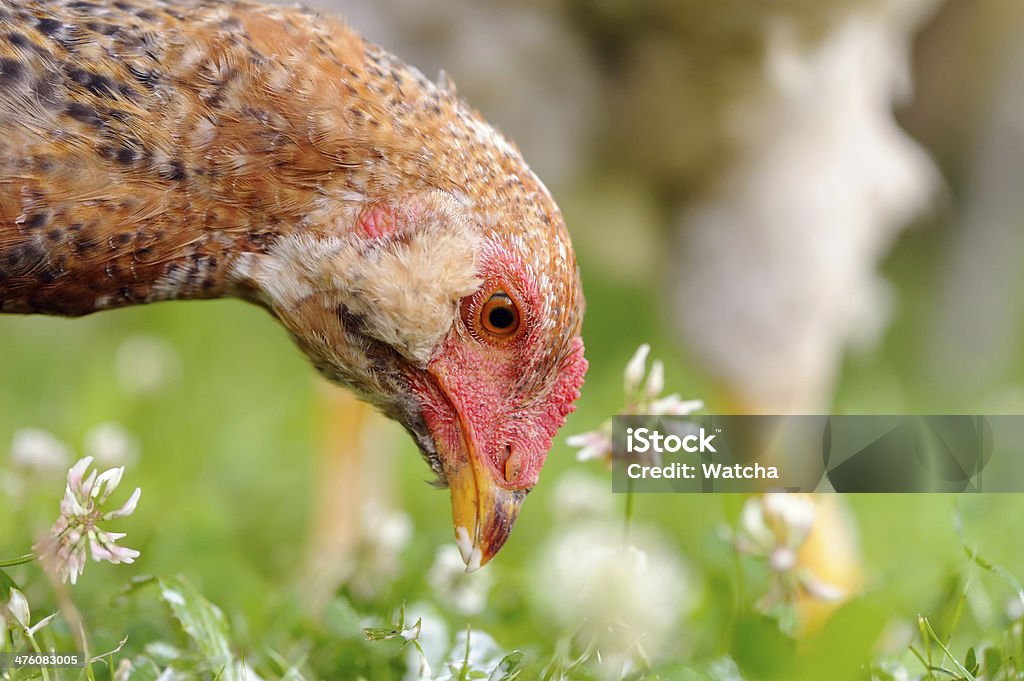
x,y
499,316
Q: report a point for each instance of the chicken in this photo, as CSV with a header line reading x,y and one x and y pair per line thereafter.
x,y
193,149
821,183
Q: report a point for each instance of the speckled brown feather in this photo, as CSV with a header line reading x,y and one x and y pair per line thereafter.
x,y
147,138
148,147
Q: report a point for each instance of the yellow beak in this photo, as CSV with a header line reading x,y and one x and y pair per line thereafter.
x,y
482,510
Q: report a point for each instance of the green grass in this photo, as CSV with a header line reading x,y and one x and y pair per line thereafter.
x,y
226,468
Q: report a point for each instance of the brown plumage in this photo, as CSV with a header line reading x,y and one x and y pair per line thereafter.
x,y
157,150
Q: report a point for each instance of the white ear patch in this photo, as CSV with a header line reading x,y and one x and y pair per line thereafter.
x,y
405,290
408,292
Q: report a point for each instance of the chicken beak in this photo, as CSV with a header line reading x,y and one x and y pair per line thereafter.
x,y
482,510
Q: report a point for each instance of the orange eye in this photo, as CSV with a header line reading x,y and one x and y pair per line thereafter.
x,y
499,316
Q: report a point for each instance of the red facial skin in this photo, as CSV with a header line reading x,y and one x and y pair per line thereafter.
x,y
504,392
493,404
511,430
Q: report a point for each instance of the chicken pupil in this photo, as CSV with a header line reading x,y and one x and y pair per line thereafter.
x,y
501,317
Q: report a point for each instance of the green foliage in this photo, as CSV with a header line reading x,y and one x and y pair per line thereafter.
x,y
228,459
203,623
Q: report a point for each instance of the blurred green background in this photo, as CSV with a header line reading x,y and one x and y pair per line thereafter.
x,y
628,111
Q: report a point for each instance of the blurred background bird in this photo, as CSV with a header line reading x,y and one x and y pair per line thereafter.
x,y
157,151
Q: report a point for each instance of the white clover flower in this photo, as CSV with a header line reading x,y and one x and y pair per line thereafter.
x,y
464,592
815,588
643,390
774,527
594,444
673,405
636,367
655,380
38,451
110,444
620,594
64,551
